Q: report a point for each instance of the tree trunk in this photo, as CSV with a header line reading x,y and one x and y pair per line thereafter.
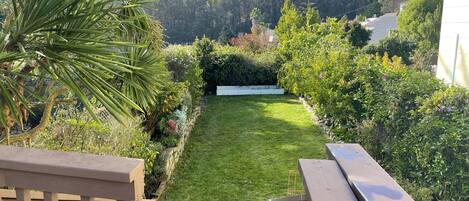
x,y
45,119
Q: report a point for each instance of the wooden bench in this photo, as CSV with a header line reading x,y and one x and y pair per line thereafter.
x,y
88,176
351,174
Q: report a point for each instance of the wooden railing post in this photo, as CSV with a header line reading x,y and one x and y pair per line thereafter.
x,y
23,194
50,196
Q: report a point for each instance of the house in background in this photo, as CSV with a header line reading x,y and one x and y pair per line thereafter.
x,y
381,26
453,56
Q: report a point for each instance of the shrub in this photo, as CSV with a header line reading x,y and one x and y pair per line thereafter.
x,y
389,108
179,59
417,192
408,120
170,141
76,131
230,66
436,148
393,45
256,42
170,98
183,63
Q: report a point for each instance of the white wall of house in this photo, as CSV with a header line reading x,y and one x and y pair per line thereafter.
x,y
453,58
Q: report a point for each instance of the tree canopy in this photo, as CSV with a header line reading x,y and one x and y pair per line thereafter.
x,y
421,21
184,20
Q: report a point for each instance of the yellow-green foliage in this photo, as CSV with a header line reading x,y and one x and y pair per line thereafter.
x,y
410,122
73,130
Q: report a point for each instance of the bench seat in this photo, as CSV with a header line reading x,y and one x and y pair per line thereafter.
x,y
368,180
323,181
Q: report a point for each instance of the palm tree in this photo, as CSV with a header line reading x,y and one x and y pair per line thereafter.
x,y
105,50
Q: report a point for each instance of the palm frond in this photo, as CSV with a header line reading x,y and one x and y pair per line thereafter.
x,y
83,45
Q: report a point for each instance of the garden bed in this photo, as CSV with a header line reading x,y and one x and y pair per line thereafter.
x,y
171,155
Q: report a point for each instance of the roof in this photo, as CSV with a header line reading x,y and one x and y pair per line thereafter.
x,y
381,26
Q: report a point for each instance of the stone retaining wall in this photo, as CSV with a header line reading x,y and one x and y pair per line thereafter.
x,y
171,155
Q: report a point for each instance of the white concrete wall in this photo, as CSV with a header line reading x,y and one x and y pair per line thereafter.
x,y
455,22
249,90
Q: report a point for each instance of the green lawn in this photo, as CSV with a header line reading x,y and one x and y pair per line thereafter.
x,y
242,149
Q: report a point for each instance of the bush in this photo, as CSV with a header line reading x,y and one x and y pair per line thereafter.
x,y
408,120
393,45
183,64
417,192
230,66
171,98
436,149
170,141
76,131
257,42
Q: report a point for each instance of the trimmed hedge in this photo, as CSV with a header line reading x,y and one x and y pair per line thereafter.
x,y
225,65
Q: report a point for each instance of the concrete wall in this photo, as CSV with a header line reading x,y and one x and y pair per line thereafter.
x,y
455,22
249,90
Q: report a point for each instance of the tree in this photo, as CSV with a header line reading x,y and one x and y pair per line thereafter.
x,y
289,21
106,50
312,16
357,34
257,17
390,6
420,21
184,20
374,8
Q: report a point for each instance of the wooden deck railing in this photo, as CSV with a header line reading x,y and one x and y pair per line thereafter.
x,y
56,173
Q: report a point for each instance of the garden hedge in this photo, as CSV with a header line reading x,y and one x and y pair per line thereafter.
x,y
229,66
412,123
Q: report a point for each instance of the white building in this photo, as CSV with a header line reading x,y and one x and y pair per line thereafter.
x,y
453,57
381,27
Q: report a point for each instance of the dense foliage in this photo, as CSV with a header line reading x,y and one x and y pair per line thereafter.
x,y
77,131
185,20
230,66
420,21
102,50
94,78
394,45
413,124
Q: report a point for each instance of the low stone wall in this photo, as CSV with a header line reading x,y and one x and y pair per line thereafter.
x,y
171,155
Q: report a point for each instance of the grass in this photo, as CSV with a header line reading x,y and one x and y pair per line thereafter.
x,y
242,149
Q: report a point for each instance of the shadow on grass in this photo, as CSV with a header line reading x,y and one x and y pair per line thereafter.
x,y
243,147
